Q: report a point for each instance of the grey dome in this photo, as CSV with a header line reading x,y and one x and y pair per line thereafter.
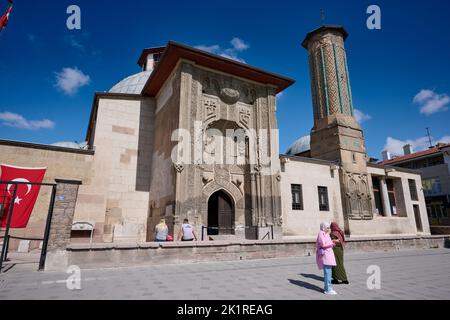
x,y
301,145
132,84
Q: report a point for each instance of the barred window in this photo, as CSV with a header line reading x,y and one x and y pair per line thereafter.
x,y
413,190
323,199
297,197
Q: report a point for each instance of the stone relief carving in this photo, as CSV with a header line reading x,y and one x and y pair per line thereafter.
x,y
207,177
279,221
248,94
228,89
229,96
179,167
221,174
211,107
239,182
358,197
244,117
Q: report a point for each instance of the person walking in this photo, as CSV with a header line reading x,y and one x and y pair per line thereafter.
x,y
325,257
339,273
161,231
187,232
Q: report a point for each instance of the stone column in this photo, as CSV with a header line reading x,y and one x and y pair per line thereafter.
x,y
385,197
61,224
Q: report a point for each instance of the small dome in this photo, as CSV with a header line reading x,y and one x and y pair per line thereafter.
x,y
301,145
132,84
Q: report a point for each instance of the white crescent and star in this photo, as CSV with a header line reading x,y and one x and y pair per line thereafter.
x,y
18,200
20,180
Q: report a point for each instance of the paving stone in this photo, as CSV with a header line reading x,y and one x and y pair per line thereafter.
x,y
291,278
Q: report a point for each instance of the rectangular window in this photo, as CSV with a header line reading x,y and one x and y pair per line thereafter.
x,y
444,212
413,190
391,194
433,212
432,186
297,197
377,195
323,199
157,57
438,211
418,218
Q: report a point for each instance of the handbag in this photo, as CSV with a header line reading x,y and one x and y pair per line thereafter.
x,y
169,238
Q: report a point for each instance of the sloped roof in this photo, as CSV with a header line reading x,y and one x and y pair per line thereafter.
x,y
415,155
175,51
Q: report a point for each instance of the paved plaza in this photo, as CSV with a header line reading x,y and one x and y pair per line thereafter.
x,y
422,274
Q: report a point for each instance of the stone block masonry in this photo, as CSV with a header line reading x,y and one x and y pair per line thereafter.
x,y
62,219
122,255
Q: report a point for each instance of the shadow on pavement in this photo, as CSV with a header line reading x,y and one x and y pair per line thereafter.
x,y
312,276
306,285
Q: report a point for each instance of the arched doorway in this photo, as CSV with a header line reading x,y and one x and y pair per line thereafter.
x,y
220,214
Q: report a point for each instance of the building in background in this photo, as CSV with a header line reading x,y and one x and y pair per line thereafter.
x,y
434,164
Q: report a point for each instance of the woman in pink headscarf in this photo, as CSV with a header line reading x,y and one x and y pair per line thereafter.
x,y
325,256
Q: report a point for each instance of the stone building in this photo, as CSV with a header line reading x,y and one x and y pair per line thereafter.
x,y
335,172
194,135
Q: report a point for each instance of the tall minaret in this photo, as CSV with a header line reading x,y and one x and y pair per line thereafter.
x,y
336,135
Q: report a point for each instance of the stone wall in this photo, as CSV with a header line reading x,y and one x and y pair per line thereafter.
x,y
116,255
163,179
212,100
63,211
61,224
60,162
404,223
310,174
117,197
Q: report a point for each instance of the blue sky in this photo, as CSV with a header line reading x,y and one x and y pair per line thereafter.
x,y
408,58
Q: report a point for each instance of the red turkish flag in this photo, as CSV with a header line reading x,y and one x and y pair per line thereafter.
x,y
26,194
5,18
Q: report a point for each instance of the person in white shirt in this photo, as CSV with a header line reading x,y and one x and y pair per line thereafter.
x,y
187,232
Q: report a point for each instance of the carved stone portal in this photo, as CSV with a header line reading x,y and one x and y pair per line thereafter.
x,y
358,197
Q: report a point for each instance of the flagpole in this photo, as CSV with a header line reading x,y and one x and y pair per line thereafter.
x,y
8,224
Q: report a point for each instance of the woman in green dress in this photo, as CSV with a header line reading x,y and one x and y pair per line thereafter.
x,y
339,274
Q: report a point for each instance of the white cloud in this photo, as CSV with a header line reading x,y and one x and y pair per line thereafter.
x,y
431,102
445,139
15,120
299,146
238,45
211,49
69,80
395,146
361,116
